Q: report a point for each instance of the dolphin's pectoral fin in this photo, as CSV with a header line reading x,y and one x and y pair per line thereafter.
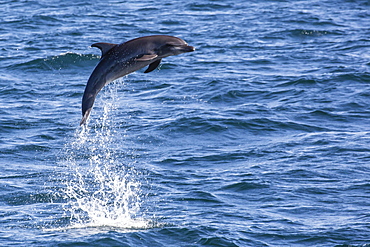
x,y
104,47
153,66
146,57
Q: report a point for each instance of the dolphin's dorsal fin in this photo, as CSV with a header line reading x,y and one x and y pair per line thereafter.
x,y
153,66
104,47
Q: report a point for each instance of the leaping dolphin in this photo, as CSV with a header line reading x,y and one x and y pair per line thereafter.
x,y
118,60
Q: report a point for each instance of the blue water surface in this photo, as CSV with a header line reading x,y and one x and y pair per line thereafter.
x,y
261,137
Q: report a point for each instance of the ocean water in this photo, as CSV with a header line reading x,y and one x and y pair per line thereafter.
x,y
261,137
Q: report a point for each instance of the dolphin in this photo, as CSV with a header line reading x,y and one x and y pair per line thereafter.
x,y
118,60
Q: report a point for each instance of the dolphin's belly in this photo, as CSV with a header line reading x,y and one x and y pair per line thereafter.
x,y
122,69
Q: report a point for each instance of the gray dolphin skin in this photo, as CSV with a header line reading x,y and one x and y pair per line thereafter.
x,y
118,60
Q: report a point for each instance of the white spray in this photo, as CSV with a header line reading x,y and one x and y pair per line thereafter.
x,y
102,190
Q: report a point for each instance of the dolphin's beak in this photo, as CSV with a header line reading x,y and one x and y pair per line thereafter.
x,y
191,48
186,48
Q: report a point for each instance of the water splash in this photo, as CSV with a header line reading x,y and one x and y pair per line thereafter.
x,y
102,189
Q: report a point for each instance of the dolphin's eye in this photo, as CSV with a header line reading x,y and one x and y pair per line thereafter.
x,y
167,46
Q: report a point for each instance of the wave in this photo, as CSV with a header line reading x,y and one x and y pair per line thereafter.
x,y
208,6
244,186
233,126
68,60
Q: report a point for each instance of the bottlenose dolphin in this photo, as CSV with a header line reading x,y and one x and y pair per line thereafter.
x,y
118,60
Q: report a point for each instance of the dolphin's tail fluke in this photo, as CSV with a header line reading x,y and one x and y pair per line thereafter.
x,y
85,117
87,105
